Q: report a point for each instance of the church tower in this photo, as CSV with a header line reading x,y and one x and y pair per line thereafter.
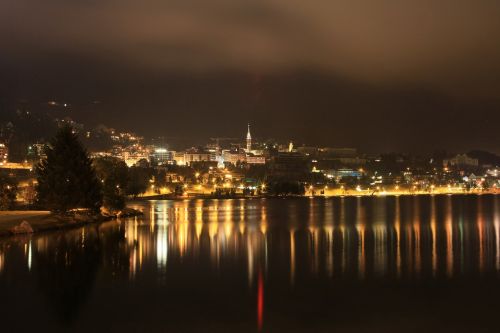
x,y
249,139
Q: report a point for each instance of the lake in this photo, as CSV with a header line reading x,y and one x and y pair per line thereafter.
x,y
370,264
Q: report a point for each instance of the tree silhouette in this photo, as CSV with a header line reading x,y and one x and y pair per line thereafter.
x,y
66,178
138,181
8,190
113,174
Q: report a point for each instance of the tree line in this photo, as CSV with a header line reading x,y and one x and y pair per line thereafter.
x,y
68,178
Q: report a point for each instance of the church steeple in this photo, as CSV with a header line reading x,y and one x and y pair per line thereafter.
x,y
249,139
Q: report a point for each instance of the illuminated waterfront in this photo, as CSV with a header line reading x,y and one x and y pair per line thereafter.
x,y
343,264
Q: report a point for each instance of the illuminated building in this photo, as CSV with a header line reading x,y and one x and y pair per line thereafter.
x,y
193,155
162,156
461,160
248,155
234,156
253,159
495,172
38,149
179,158
132,157
4,153
249,139
341,173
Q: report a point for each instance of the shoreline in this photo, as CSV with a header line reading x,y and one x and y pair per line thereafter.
x,y
34,222
320,196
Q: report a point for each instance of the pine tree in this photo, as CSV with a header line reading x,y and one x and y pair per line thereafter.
x,y
66,178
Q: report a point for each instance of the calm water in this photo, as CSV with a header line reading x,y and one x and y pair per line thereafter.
x,y
392,264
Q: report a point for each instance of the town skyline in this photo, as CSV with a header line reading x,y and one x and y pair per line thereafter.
x,y
185,136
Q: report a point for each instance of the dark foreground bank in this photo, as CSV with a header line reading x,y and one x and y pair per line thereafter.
x,y
27,222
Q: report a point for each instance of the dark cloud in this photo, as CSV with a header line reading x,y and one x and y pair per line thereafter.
x,y
401,67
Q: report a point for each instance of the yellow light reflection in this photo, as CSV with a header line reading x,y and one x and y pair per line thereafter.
x,y
433,235
480,230
416,232
449,237
397,228
360,229
329,251
292,257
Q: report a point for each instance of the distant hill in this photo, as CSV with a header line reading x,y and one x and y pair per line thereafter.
x,y
485,157
21,127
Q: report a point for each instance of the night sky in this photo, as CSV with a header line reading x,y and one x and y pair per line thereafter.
x,y
405,75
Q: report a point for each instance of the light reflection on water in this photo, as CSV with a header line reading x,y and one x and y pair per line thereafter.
x,y
294,242
374,243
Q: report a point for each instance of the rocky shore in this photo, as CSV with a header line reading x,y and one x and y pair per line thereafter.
x,y
27,222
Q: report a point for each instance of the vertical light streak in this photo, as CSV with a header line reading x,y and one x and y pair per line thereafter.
x,y
449,237
343,233
132,263
29,255
250,261
314,250
416,232
329,241
260,302
360,230
162,247
292,257
361,251
496,224
152,217
409,248
433,235
379,233
263,229
344,250
182,237
380,249
397,227
480,230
